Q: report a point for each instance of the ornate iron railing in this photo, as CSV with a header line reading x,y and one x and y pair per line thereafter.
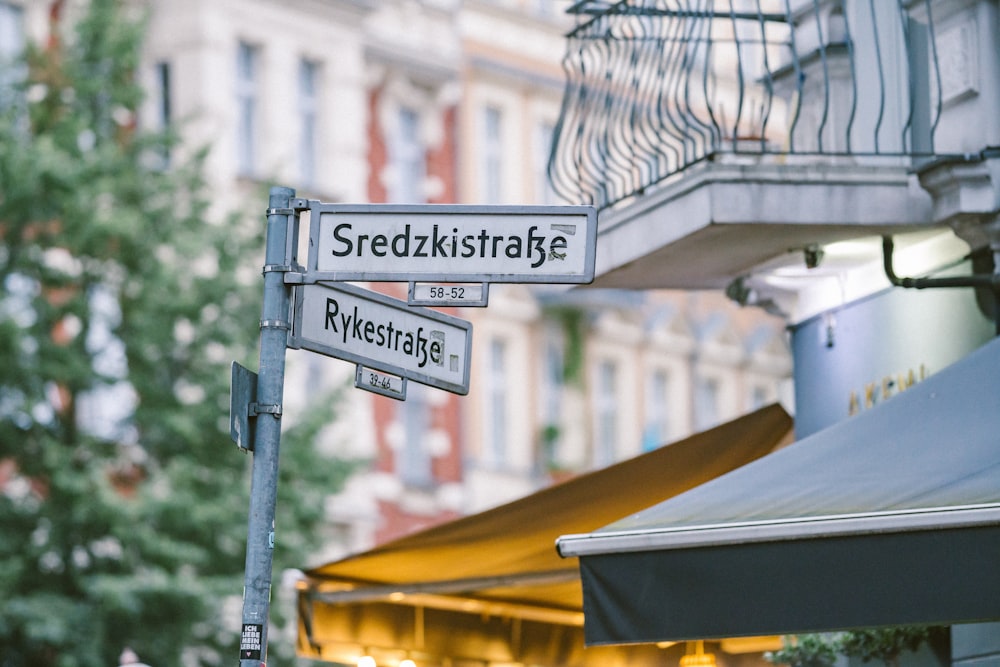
x,y
655,86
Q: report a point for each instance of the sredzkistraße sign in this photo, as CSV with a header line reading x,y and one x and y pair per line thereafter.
x,y
451,243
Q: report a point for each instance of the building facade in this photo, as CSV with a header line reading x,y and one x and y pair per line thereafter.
x,y
440,101
450,102
830,161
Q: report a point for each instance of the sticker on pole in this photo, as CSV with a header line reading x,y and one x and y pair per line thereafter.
x,y
382,333
250,641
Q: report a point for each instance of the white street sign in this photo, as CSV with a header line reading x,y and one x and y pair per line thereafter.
x,y
383,333
451,243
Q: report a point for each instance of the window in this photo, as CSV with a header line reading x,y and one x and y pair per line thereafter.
x,y
104,411
657,430
543,146
414,465
11,46
606,412
246,108
550,416
495,450
759,396
597,149
706,403
553,379
11,31
492,152
544,8
164,104
406,154
308,109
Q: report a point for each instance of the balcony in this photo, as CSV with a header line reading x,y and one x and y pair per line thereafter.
x,y
717,137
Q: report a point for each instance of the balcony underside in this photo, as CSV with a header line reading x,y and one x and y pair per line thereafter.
x,y
724,218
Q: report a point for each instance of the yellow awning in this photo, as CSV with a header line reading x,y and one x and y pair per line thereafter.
x,y
491,587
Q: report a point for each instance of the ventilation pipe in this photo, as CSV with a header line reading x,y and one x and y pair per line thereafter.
x,y
986,284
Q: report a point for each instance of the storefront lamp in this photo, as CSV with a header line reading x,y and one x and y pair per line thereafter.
x,y
407,663
366,661
697,658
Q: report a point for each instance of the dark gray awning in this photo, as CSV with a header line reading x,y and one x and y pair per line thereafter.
x,y
890,517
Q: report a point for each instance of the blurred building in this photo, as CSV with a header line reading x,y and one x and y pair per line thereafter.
x,y
444,101
834,161
796,156
440,101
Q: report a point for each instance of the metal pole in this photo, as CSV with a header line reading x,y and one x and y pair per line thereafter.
x,y
274,327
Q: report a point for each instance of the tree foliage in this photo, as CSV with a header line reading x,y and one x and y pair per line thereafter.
x,y
811,650
885,644
122,502
821,650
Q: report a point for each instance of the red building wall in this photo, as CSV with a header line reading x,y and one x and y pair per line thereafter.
x,y
394,519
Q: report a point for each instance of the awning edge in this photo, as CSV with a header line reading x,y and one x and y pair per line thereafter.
x,y
686,537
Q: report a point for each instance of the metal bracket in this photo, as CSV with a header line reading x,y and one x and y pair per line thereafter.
x,y
280,211
299,204
275,324
277,268
255,409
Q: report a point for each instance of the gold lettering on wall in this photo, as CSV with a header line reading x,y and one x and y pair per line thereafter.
x,y
878,391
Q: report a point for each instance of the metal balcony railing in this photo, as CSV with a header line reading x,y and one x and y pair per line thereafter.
x,y
655,86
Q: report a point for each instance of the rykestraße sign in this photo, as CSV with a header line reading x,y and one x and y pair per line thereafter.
x,y
377,331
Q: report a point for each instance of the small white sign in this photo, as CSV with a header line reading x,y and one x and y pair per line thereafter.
x,y
448,294
383,333
451,243
380,383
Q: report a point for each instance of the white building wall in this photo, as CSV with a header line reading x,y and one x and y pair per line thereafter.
x,y
199,40
432,56
501,440
614,346
667,353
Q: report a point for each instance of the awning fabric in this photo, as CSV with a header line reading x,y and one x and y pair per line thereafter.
x,y
890,517
491,586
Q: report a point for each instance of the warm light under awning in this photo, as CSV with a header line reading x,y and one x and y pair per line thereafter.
x,y
492,584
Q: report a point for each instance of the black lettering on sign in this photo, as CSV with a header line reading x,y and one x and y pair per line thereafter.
x,y
250,641
332,308
535,248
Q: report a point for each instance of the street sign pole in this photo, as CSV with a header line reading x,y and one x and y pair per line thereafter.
x,y
274,327
448,253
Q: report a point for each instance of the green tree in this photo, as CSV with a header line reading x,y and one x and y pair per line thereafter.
x,y
811,650
123,504
885,644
